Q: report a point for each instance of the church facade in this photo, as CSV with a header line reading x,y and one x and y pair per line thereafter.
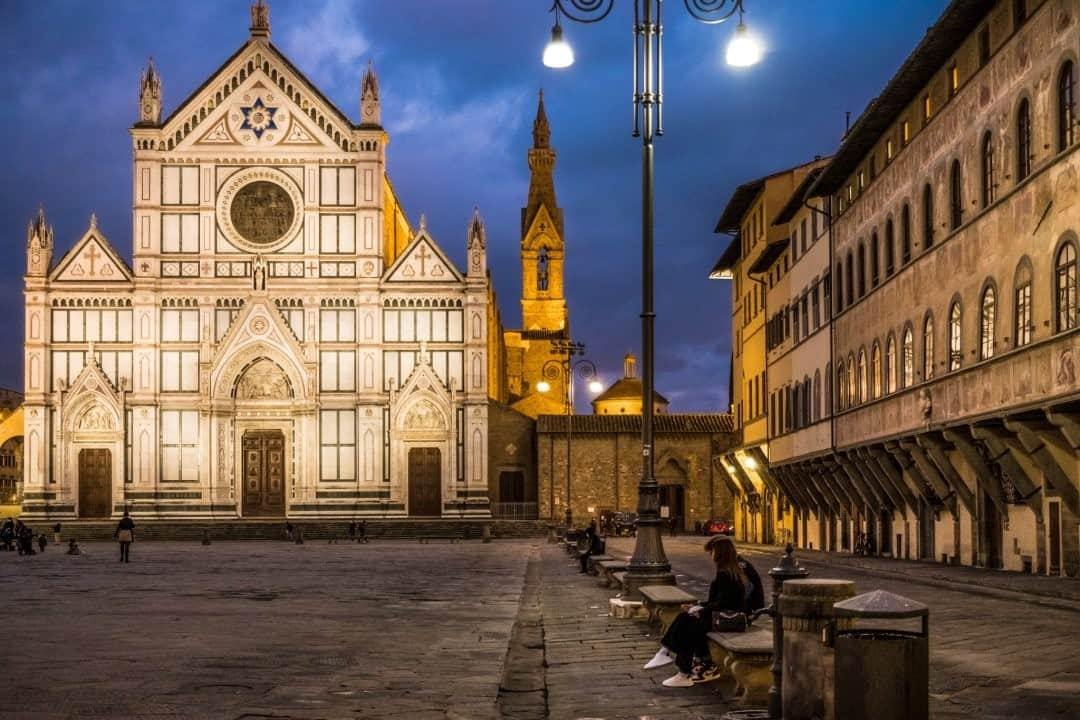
x,y
284,342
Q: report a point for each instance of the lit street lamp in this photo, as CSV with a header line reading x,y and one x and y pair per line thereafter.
x,y
566,367
649,565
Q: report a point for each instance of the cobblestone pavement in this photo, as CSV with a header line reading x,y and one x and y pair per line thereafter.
x,y
259,630
995,650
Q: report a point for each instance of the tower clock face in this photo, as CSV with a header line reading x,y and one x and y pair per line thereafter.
x,y
147,109
258,209
369,109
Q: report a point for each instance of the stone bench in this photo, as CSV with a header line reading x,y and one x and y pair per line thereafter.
x,y
606,570
591,564
664,603
447,538
747,657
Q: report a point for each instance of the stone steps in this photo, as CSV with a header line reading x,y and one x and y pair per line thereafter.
x,y
275,529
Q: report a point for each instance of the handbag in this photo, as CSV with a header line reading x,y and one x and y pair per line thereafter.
x,y
730,621
124,536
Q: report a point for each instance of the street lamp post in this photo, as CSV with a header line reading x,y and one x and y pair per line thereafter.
x,y
649,565
564,366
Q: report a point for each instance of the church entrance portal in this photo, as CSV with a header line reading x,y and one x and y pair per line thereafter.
x,y
95,483
425,482
264,473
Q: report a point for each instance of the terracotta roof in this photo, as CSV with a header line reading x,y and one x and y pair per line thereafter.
x,y
543,334
627,388
943,38
768,256
728,259
702,423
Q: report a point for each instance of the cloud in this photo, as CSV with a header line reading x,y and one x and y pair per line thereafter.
x,y
464,125
328,41
694,377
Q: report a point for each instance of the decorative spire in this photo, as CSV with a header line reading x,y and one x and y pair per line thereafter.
x,y
423,222
541,128
370,110
477,233
93,221
629,366
260,19
150,95
39,235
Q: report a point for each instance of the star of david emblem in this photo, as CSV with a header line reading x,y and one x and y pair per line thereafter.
x,y
258,118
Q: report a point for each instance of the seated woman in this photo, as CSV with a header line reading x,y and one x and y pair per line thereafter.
x,y
686,641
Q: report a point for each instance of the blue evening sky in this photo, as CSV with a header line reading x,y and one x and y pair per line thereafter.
x,y
458,82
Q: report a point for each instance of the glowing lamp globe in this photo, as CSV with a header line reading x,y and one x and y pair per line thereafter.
x,y
743,50
558,53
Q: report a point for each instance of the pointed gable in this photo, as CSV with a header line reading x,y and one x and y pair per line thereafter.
x,y
422,261
92,259
257,98
542,232
259,330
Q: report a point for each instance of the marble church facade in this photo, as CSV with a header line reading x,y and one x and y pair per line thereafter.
x,y
284,342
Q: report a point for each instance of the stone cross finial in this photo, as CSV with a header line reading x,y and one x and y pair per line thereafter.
x,y
260,19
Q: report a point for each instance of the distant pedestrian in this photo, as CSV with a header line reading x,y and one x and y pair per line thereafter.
x,y
352,531
42,541
125,534
674,525
24,537
288,529
592,545
361,532
73,547
56,533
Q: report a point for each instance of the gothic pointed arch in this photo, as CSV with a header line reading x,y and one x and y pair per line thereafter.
x,y
259,332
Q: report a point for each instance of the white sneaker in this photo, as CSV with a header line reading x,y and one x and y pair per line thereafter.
x,y
662,657
679,680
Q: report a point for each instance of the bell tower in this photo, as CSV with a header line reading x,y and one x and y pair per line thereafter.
x,y
370,110
543,305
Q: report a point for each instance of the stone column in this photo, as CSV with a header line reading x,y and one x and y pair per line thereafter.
x,y
807,608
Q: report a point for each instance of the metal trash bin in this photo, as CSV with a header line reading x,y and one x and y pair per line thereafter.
x,y
884,673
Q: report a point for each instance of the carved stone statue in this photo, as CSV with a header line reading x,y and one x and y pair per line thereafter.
x,y
258,273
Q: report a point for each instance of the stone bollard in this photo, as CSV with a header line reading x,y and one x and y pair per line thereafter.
x,y
809,665
298,533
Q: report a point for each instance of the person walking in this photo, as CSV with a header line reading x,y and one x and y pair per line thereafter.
x,y
125,534
686,642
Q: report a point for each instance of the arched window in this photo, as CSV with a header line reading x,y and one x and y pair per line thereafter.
x,y
862,268
816,415
905,235
807,416
875,372
955,355
890,366
987,313
956,196
542,270
841,386
1022,327
839,287
928,348
909,358
987,169
890,251
1023,140
1066,106
852,401
1065,286
793,408
861,395
850,280
928,216
874,259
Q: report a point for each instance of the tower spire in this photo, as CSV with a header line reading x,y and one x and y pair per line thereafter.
x,y
260,19
150,95
541,127
39,244
370,109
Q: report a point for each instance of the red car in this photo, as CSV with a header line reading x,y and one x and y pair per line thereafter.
x,y
718,527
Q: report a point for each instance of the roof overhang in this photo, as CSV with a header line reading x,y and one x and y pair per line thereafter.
x,y
795,202
768,256
943,39
724,267
740,201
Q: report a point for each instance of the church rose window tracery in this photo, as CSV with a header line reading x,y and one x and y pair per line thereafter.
x,y
259,210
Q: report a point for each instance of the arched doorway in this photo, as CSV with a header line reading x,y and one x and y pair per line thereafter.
x,y
671,477
263,390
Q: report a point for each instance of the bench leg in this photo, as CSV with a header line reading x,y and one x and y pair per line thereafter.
x,y
666,614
